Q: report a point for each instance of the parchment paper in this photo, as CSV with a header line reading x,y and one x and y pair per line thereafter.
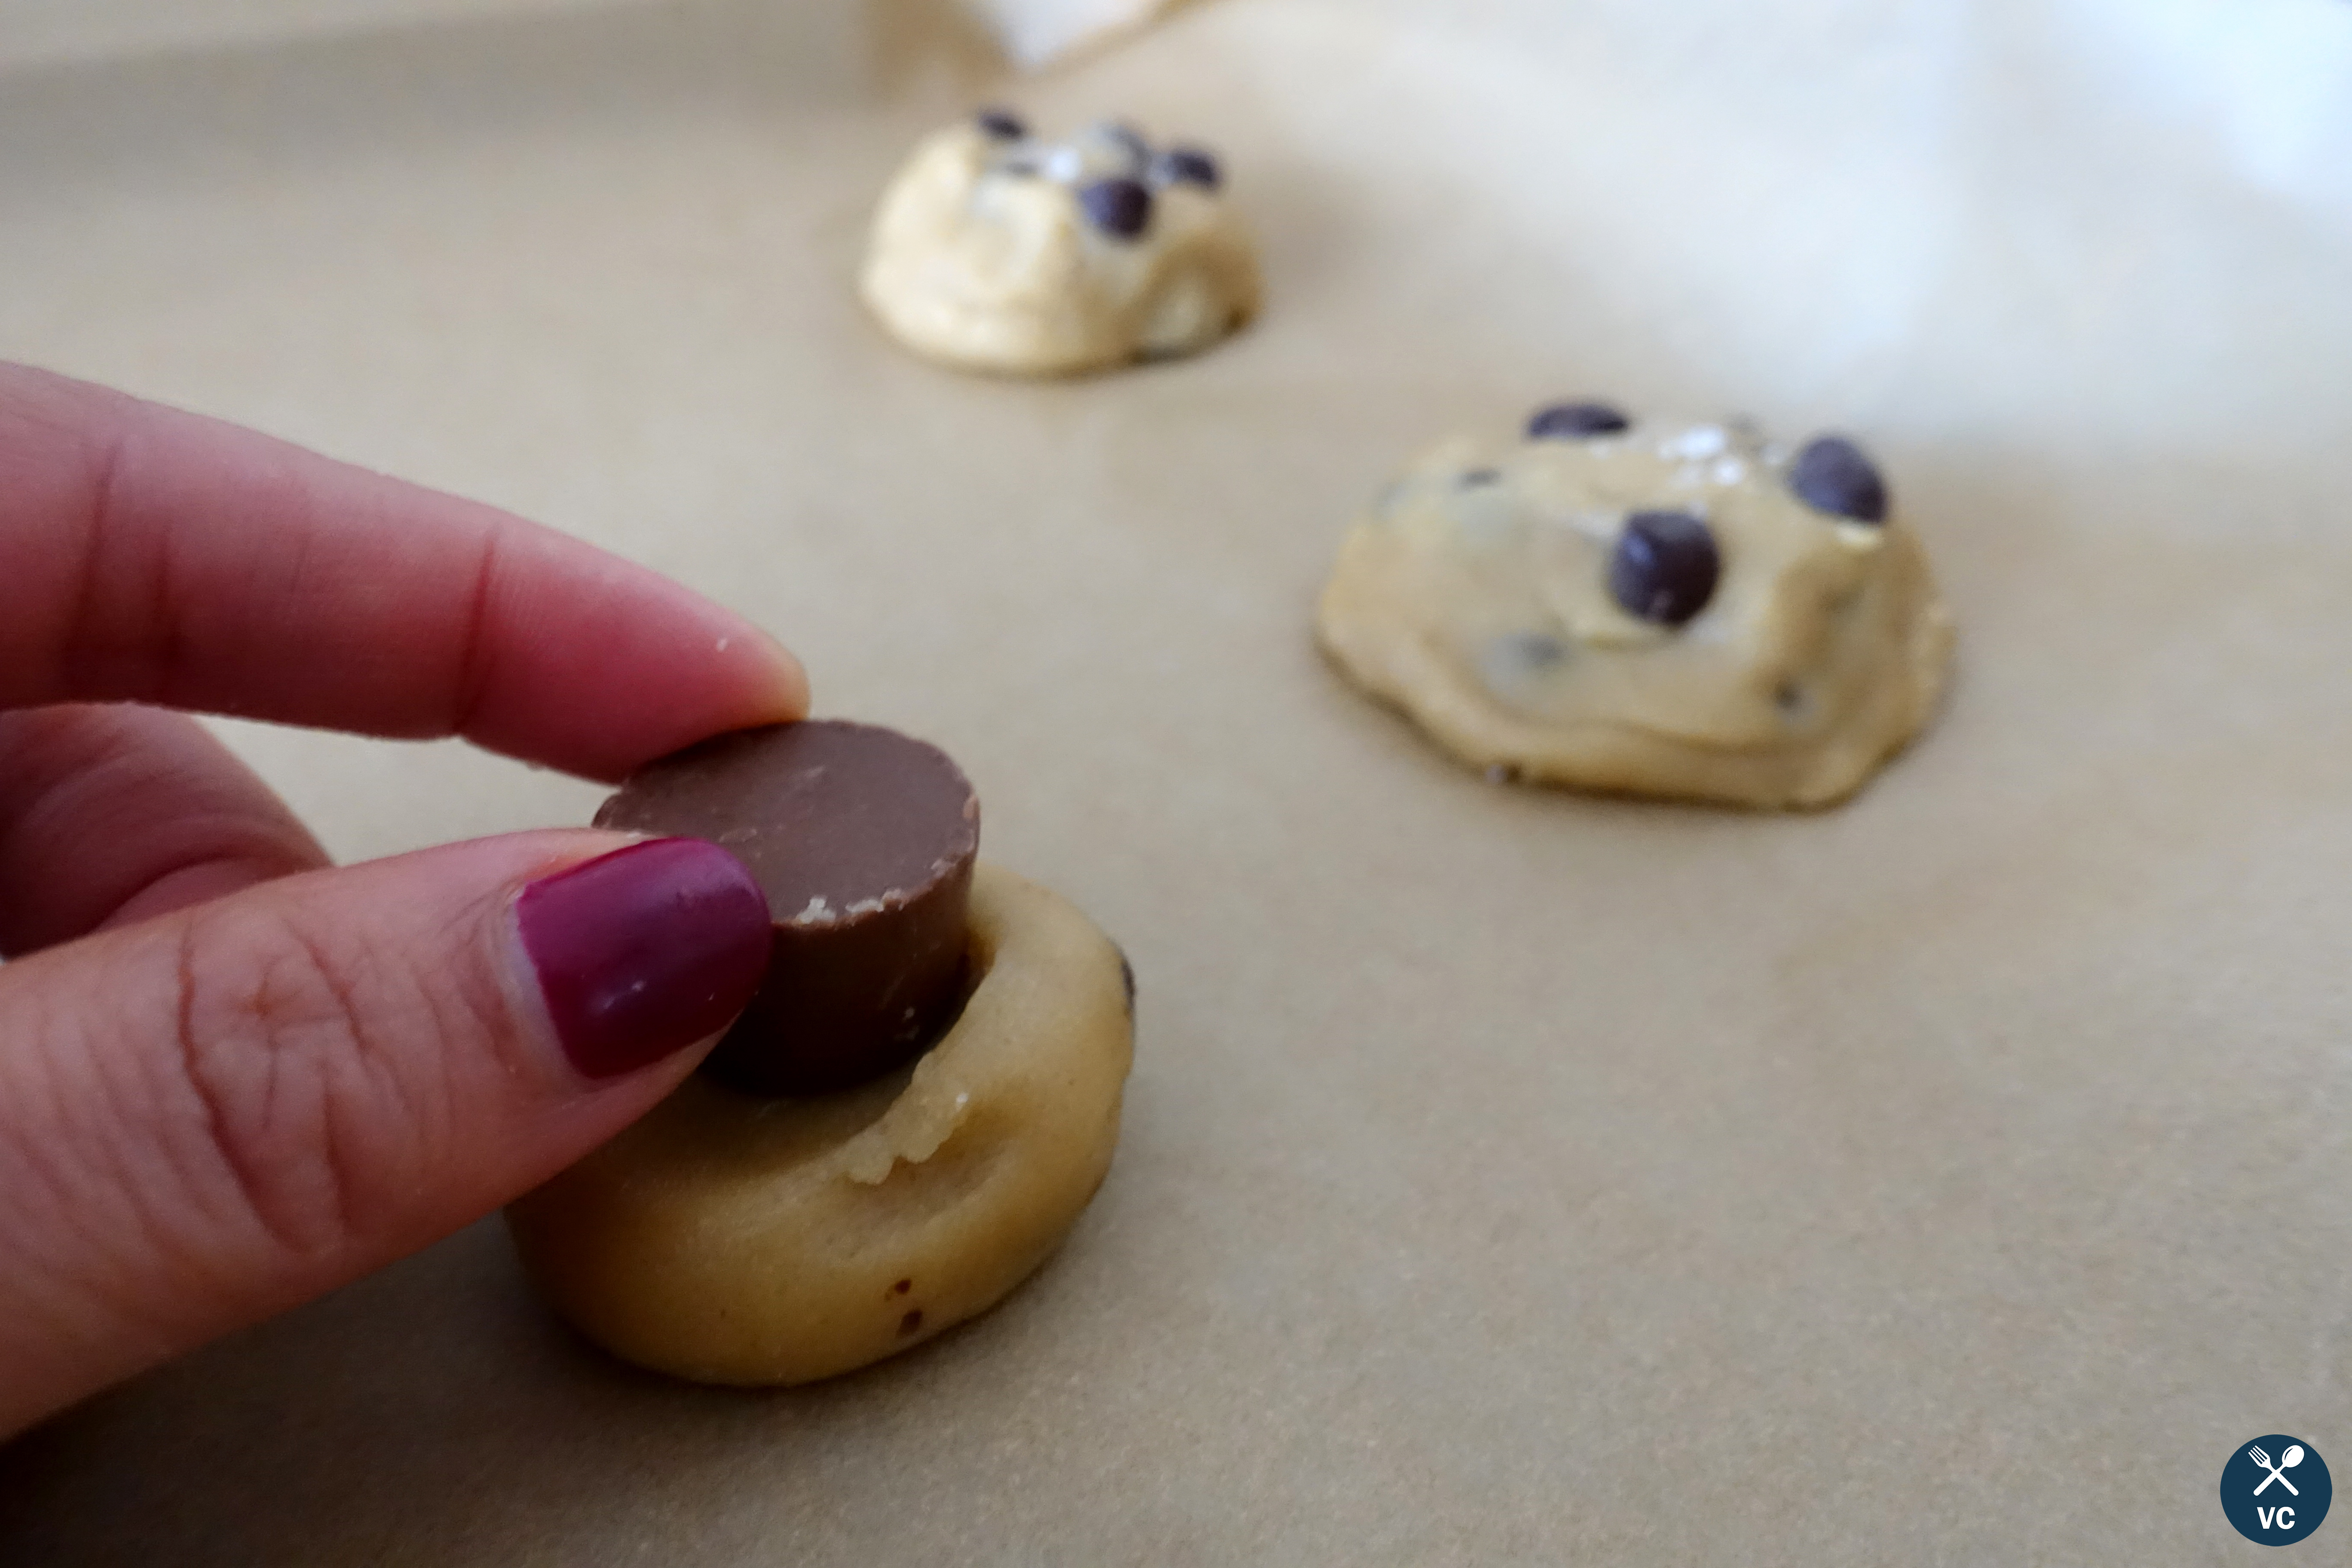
x,y
1509,1177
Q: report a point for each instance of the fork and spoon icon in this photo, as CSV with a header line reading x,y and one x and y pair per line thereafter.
x,y
2287,1461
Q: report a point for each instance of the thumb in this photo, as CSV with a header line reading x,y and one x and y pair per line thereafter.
x,y
210,1116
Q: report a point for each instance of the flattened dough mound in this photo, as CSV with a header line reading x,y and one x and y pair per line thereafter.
x,y
1475,597
736,1240
977,264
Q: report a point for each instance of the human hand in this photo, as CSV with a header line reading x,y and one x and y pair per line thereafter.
x,y
232,1079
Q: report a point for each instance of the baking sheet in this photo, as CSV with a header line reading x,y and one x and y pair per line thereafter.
x,y
1955,1178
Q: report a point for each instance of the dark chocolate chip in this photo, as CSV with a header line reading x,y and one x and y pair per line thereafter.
x,y
1186,166
1126,983
863,841
1832,475
1003,124
902,1287
1120,207
1575,422
1664,567
911,1322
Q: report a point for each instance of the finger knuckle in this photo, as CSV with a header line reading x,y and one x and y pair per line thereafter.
x,y
303,1100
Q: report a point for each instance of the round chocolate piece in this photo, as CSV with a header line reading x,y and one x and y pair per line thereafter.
x,y
1664,567
1001,124
862,840
1186,166
1575,422
1120,208
1832,475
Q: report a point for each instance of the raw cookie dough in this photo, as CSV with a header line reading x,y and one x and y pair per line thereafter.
x,y
1678,610
733,1240
996,251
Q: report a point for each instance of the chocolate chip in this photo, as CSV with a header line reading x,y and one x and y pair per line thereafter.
x,y
1002,123
902,1287
1832,475
1575,422
1126,983
1186,166
911,1322
1664,567
1120,207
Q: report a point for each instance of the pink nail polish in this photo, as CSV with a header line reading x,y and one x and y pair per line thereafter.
x,y
642,952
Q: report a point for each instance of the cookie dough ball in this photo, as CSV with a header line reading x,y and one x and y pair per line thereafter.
x,y
735,1239
995,250
1688,611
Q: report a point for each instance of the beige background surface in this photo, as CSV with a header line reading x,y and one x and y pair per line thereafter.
x,y
1509,1177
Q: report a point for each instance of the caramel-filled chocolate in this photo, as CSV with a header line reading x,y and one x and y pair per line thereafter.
x,y
862,840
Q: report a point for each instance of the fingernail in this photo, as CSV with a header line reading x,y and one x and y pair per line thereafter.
x,y
642,952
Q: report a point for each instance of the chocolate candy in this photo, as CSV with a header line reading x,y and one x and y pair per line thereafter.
x,y
1120,207
862,840
1186,166
1003,124
1664,566
1575,422
1832,475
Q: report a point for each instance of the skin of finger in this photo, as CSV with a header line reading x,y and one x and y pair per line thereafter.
x,y
113,814
209,1117
151,556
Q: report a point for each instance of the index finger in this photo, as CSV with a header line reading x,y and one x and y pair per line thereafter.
x,y
150,555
